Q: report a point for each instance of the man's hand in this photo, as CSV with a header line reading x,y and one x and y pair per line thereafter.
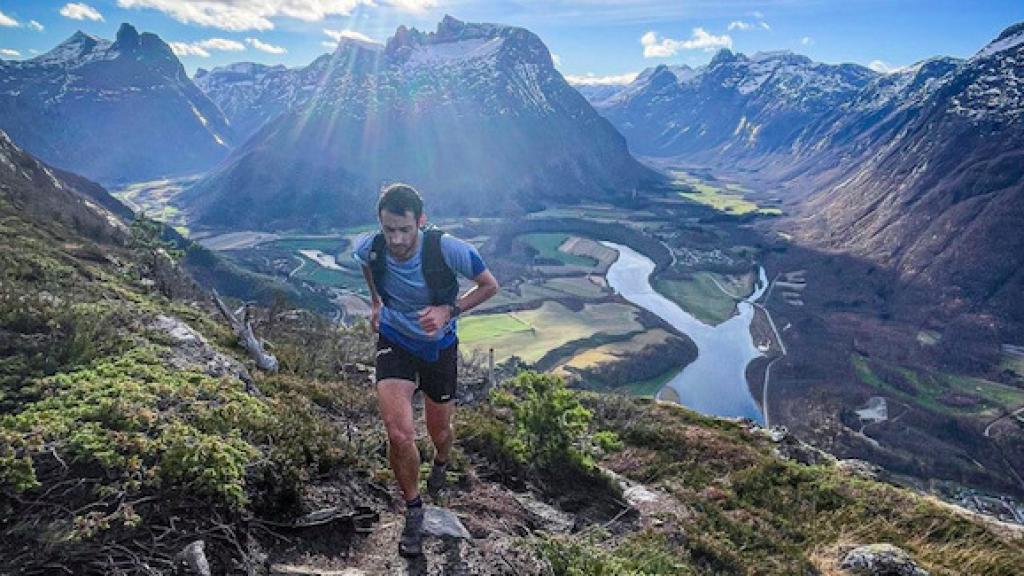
x,y
375,316
434,318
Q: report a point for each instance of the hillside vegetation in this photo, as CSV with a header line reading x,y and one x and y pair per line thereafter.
x,y
131,426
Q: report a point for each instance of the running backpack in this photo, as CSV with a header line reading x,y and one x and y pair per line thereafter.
x,y
441,281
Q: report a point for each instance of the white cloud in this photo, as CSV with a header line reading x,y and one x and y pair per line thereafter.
x,y
592,80
6,20
80,11
264,47
36,26
33,51
186,49
259,15
701,40
350,34
744,25
203,47
883,67
9,53
222,44
329,44
757,14
807,40
415,6
556,59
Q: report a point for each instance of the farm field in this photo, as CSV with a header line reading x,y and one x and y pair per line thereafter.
x,y
530,334
547,243
730,199
613,352
702,297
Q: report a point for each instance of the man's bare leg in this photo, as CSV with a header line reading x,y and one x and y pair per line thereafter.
x,y
395,399
439,425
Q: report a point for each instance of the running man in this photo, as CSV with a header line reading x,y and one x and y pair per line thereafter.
x,y
411,273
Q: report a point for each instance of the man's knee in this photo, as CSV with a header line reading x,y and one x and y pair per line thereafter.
x,y
396,410
401,435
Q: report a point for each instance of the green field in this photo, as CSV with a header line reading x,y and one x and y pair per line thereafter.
x,y
930,388
547,243
701,297
530,334
316,274
489,327
730,199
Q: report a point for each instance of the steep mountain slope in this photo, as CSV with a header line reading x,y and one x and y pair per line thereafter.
x,y
937,191
473,114
112,111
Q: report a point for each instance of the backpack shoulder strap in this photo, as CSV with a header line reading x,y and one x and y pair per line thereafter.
x,y
379,264
441,280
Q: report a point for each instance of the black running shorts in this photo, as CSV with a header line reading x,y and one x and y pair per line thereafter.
x,y
436,379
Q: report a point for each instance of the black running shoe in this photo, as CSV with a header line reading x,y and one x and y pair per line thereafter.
x,y
411,542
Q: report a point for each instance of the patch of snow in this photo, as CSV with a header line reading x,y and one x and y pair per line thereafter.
x,y
1000,45
448,52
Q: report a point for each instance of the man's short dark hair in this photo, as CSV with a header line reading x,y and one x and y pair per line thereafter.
x,y
399,198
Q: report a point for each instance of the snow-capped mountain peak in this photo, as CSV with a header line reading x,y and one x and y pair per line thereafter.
x,y
1011,38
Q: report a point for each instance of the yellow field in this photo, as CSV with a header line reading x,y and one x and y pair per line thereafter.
x,y
612,352
550,326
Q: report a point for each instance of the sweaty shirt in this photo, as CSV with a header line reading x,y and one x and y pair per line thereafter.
x,y
408,292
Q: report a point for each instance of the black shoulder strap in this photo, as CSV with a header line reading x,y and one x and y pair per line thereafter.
x,y
379,264
444,287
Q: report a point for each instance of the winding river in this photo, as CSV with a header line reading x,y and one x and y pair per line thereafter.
x,y
715,383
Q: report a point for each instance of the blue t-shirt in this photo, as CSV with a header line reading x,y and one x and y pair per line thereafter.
x,y
408,293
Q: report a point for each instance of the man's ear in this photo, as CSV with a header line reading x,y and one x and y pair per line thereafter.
x,y
422,221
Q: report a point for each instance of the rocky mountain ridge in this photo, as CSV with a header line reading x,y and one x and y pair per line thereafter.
x,y
473,114
67,106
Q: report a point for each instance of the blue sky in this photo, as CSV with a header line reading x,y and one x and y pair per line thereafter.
x,y
599,37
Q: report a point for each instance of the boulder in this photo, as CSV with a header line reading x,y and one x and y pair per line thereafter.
x,y
880,560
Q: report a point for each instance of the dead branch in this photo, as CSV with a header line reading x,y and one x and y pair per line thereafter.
x,y
243,329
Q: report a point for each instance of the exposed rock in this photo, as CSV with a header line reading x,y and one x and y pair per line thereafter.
x,y
443,522
859,468
548,517
880,560
792,448
191,351
193,558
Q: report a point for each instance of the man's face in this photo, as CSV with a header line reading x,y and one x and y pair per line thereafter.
x,y
401,232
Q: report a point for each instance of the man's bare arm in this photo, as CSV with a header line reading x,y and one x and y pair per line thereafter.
x,y
433,318
375,301
485,286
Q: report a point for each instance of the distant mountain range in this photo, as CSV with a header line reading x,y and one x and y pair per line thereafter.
x,y
250,94
475,115
921,170
112,111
